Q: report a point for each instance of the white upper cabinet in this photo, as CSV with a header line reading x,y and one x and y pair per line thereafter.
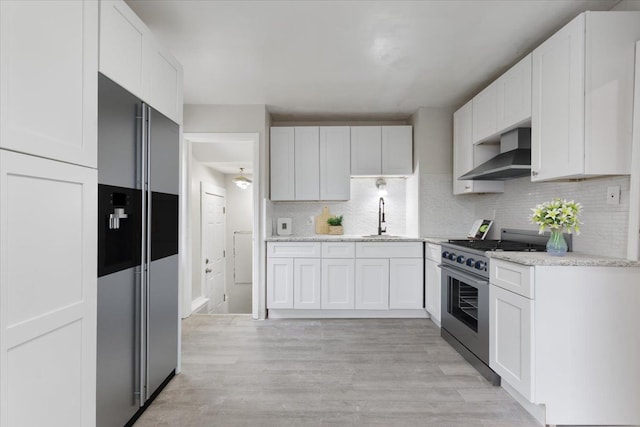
x,y
397,150
48,79
485,113
381,150
335,153
132,57
582,100
310,163
514,96
307,166
466,155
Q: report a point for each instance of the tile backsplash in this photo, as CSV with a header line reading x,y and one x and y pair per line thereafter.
x,y
360,212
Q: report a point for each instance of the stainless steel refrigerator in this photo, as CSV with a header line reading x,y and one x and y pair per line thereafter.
x,y
138,182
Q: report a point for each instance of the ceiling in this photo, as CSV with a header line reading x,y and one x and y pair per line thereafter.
x,y
350,59
225,153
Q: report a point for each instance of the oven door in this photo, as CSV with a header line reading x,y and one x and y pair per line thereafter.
x,y
465,310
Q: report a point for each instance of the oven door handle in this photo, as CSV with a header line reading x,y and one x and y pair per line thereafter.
x,y
464,276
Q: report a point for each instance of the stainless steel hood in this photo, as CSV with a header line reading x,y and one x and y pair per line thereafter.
x,y
514,160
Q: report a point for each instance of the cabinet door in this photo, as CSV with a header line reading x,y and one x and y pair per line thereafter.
x,y
306,283
121,45
366,150
397,150
557,113
337,284
307,166
372,284
433,287
510,339
335,163
48,288
280,283
48,79
485,117
406,285
514,95
282,163
161,79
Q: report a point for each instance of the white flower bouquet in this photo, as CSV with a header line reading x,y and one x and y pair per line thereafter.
x,y
557,215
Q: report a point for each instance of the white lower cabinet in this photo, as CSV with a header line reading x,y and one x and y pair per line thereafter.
x,y
406,283
510,338
338,284
280,283
432,282
306,283
372,284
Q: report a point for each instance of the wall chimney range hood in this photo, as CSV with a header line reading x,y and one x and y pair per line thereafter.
x,y
514,160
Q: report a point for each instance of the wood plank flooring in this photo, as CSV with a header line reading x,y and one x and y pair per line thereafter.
x,y
329,372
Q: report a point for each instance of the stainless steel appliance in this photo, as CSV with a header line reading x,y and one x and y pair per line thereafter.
x,y
465,292
138,176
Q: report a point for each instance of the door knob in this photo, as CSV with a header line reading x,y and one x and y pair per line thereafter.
x,y
208,270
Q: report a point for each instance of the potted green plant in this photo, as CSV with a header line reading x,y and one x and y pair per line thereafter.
x,y
335,225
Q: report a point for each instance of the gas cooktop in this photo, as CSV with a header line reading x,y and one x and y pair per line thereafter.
x,y
499,245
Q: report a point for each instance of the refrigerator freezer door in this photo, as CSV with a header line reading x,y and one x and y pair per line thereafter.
x,y
164,161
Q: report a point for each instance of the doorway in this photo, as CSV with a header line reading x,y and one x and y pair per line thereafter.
x,y
220,199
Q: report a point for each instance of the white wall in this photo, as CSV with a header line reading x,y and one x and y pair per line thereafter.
x,y
239,218
199,173
627,5
360,213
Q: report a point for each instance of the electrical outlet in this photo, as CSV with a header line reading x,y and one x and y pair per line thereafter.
x,y
613,195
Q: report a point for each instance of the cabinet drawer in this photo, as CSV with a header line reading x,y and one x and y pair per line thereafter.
x,y
293,249
512,277
338,249
389,250
432,252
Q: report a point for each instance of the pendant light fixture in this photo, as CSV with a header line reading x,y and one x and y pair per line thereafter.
x,y
242,181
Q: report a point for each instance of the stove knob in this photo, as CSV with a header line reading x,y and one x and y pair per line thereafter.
x,y
445,254
481,265
460,259
471,262
452,256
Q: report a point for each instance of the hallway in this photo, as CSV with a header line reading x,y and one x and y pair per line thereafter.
x,y
373,372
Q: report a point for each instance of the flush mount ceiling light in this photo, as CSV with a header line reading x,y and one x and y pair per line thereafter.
x,y
242,181
381,184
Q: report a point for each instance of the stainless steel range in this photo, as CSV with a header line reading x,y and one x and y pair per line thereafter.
x,y
465,292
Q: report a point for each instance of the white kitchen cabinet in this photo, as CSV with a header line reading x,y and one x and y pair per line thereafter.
x,y
513,94
282,163
48,289
582,99
280,283
485,113
335,164
510,338
537,308
306,283
306,163
466,155
366,150
48,79
406,284
338,284
372,284
133,58
432,280
381,150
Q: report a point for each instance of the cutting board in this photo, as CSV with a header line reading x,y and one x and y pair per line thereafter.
x,y
321,221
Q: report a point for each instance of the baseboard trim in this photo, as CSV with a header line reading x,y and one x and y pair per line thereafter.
x,y
537,411
198,304
346,314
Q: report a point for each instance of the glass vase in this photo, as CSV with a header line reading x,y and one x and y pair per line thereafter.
x,y
556,245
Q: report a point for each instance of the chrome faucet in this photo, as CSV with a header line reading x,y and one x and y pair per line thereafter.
x,y
381,217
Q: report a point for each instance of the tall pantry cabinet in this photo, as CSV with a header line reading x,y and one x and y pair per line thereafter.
x,y
48,201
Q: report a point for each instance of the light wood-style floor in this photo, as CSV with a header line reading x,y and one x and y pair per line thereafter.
x,y
366,372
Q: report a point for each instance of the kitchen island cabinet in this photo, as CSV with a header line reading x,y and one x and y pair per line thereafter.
x,y
563,336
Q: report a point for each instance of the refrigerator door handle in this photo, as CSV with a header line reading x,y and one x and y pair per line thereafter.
x,y
143,256
148,242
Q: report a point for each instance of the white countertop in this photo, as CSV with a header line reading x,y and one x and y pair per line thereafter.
x,y
343,238
570,259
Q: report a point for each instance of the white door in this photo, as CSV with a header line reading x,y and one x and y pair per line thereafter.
x,y
406,287
279,282
397,150
307,162
514,95
48,292
337,280
213,247
372,284
485,109
306,283
366,150
282,160
335,163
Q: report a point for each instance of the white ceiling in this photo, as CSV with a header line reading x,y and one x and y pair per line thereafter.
x,y
357,59
226,153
